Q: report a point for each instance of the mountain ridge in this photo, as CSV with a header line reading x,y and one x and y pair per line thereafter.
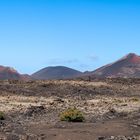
x,y
126,67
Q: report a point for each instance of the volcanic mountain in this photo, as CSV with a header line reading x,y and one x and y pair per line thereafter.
x,y
11,74
128,66
57,72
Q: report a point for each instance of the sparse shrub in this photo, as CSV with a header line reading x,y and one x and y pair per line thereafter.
x,y
118,101
72,115
135,99
2,117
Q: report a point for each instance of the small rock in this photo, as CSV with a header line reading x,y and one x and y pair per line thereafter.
x,y
101,138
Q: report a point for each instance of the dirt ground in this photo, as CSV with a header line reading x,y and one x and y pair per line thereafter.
x,y
111,108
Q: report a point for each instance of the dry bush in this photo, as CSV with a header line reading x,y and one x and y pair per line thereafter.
x,y
72,115
2,116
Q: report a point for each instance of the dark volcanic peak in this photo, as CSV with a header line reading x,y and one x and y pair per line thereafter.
x,y
56,72
128,66
10,69
130,59
133,58
8,73
11,74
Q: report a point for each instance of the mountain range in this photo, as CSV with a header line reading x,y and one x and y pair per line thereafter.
x,y
126,67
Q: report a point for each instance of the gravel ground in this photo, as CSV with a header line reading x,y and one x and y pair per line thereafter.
x,y
111,108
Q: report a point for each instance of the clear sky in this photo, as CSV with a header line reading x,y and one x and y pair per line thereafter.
x,y
82,34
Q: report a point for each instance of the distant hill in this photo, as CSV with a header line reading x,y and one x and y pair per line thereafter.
x,y
58,72
126,67
11,74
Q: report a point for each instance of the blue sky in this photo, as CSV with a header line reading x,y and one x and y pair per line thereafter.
x,y
82,34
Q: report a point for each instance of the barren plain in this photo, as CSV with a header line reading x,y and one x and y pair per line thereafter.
x,y
111,108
